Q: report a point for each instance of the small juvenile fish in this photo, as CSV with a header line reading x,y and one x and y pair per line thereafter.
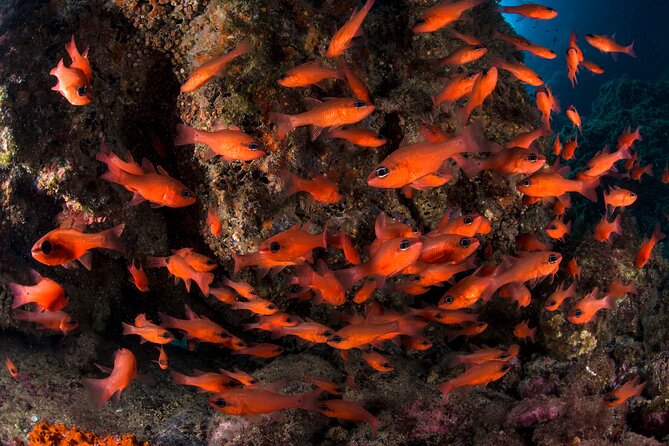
x,y
618,289
309,73
466,38
592,67
528,242
628,390
447,248
377,361
483,355
554,184
603,161
619,197
519,70
46,293
483,87
242,377
348,410
319,188
162,360
607,44
341,41
208,70
478,374
228,142
560,295
11,368
178,267
586,309
357,136
214,223
522,44
74,82
292,244
547,104
573,268
308,331
524,332
467,330
455,88
122,374
199,262
569,149
639,171
265,351
256,306
364,333
463,55
274,321
148,331
628,138
242,288
49,320
443,14
329,386
516,292
258,400
645,250
574,117
354,82
557,229
531,10
572,65
201,329
525,139
206,381
138,277
323,282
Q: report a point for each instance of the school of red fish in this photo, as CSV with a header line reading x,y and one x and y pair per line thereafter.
x,y
416,260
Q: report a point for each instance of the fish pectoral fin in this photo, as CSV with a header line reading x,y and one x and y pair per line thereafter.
x,y
136,199
156,205
278,416
86,260
116,398
315,132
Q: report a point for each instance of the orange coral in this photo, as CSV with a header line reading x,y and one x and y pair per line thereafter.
x,y
46,434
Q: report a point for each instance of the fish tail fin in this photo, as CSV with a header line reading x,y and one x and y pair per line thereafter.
x,y
115,173
112,238
185,135
166,321
178,378
283,123
156,262
446,387
657,233
128,329
240,263
648,170
589,189
99,391
203,281
629,50
309,401
20,294
470,166
617,227
462,115
291,182
244,47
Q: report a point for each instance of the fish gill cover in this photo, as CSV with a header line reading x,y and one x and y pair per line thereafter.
x,y
251,222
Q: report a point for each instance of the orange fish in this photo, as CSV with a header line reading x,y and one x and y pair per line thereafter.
x,y
354,82
341,41
483,355
309,73
516,292
569,149
445,317
62,246
11,368
157,187
206,381
264,351
466,292
331,113
148,331
557,229
572,65
419,344
308,331
561,205
208,70
447,248
665,175
330,387
291,244
466,38
455,88
586,309
412,162
628,390
463,55
387,230
242,377
619,197
443,14
274,321
364,333
628,138
348,410
178,267
478,374
560,295
467,330
214,223
319,188
262,262
49,320
242,288
547,104
467,225
74,82
343,241
592,67
507,162
573,268
256,306
574,117
518,70
258,400
531,10
607,44
572,44
226,141
645,250
357,136
197,261
523,331
524,140
639,171
390,259
46,293
530,266
483,87
138,278
434,274
377,361
604,160
162,358
528,242
618,289
323,282
122,374
364,293
522,44
554,184
201,329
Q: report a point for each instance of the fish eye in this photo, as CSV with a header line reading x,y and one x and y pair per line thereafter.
x,y
283,76
327,333
532,157
223,335
47,247
336,338
448,299
220,402
552,303
404,245
505,367
465,242
632,195
254,146
209,262
387,365
478,48
165,335
578,312
611,398
420,21
415,278
254,381
275,247
503,356
471,74
323,407
527,183
590,35
82,91
414,229
382,172
338,389
271,306
289,319
552,258
359,104
186,193
468,220
552,227
240,344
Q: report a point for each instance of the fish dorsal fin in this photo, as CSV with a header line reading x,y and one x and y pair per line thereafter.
x,y
275,387
162,171
312,102
102,368
197,372
35,276
182,252
141,320
190,314
220,125
147,167
379,224
322,267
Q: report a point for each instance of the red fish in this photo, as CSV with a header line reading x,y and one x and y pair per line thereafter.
x,y
197,261
319,188
507,162
74,82
607,44
528,242
557,229
522,44
157,187
341,41
148,331
628,138
262,262
557,146
323,282
483,87
331,113
531,10
343,241
466,38
619,197
483,355
308,331
354,82
447,248
573,268
256,306
572,65
138,278
467,225
639,171
516,292
122,374
259,400
554,184
463,55
455,88
586,309
242,377
206,381
377,361
523,331
524,140
242,288
592,67
443,14
208,70
574,117
264,351
348,410
294,243
214,223
478,286
201,329
604,160
628,390
46,293
63,246
560,295
618,289
569,149
604,229
530,266
49,320
467,330
309,73
365,333
479,374
178,267
329,386
162,360
11,368
665,175
645,250
228,142
547,104
357,136
518,70
434,274
561,205
274,321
